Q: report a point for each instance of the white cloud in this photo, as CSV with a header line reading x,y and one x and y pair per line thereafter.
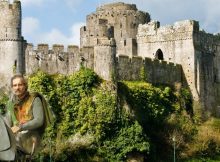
x,y
55,36
30,25
75,33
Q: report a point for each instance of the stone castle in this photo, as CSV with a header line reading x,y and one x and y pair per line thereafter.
x,y
119,42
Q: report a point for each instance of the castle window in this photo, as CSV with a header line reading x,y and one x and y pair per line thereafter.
x,y
124,42
103,21
60,57
159,55
133,25
15,63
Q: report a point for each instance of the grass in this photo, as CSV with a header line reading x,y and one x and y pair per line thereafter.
x,y
206,144
216,159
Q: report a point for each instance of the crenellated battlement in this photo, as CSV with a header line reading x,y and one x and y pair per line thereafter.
x,y
143,60
10,16
177,31
115,13
56,48
117,6
6,5
155,71
53,60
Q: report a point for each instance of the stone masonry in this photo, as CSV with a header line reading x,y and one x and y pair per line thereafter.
x,y
119,42
12,44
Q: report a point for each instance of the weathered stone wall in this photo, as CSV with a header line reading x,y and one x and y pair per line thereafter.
x,y
175,43
52,61
12,43
122,18
217,76
104,58
207,65
87,57
156,71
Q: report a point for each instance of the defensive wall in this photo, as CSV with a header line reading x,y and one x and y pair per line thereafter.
x,y
52,61
151,70
102,59
173,43
207,54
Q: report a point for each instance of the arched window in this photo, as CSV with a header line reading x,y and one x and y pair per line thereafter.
x,y
159,55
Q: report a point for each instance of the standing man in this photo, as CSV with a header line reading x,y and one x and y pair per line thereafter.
x,y
25,116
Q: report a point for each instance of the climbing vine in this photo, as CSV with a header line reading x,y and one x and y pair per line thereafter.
x,y
92,119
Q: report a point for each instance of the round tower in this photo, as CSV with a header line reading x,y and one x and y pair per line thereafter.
x,y
11,41
123,18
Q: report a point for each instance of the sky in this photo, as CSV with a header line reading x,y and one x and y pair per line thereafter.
x,y
59,21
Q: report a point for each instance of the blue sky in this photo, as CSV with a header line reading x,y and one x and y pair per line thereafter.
x,y
59,21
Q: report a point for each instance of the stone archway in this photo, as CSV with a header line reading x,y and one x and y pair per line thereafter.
x,y
159,55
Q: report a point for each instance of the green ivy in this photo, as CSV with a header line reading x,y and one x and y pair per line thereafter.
x,y
149,103
3,101
92,121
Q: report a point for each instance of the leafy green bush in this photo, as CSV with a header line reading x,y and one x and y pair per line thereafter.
x,y
150,104
3,100
86,106
99,121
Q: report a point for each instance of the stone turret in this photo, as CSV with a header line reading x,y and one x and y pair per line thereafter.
x,y
105,58
12,43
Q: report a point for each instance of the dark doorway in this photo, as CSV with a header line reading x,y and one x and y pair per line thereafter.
x,y
159,55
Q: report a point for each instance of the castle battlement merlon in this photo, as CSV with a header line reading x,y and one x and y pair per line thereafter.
x,y
72,49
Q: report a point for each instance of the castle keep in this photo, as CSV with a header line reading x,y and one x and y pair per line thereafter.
x,y
120,42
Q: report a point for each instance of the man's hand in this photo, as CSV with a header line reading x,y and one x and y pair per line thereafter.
x,y
15,129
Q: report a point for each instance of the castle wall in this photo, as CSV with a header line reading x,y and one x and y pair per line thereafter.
x,y
52,61
12,43
217,76
156,72
176,44
87,57
207,63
